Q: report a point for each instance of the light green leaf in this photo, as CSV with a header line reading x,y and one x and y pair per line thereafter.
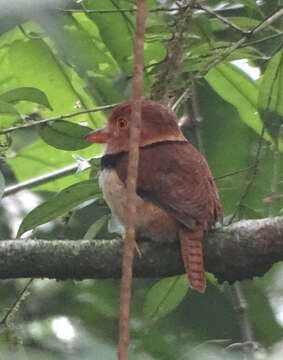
x,y
245,23
65,135
116,30
59,204
165,296
6,108
96,227
8,114
41,67
234,86
271,86
2,184
28,94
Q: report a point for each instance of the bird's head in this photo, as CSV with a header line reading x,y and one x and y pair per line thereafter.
x,y
158,124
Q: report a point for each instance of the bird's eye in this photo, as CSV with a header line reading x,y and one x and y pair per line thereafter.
x,y
122,123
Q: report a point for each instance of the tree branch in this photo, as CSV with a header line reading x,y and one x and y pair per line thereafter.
x,y
240,251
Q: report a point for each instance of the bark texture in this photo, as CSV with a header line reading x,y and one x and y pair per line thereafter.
x,y
240,251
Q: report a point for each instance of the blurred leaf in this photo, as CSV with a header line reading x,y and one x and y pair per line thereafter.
x,y
65,135
271,86
76,45
6,108
2,184
96,227
41,67
103,89
28,94
249,3
245,23
212,279
221,129
59,204
265,326
270,99
202,55
165,296
8,114
234,86
116,30
104,61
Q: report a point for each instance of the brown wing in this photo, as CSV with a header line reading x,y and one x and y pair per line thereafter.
x,y
176,177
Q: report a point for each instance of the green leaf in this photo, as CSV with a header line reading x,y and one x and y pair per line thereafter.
x,y
28,94
64,88
249,3
271,86
8,114
65,135
165,296
42,67
116,30
2,184
96,227
245,23
6,108
59,204
234,86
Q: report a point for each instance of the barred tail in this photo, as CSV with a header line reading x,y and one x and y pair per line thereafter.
x,y
191,249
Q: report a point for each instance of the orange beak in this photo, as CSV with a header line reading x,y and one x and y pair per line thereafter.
x,y
98,136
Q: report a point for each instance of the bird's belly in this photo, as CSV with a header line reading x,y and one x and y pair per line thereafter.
x,y
152,221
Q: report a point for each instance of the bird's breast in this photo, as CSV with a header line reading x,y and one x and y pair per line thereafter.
x,y
152,222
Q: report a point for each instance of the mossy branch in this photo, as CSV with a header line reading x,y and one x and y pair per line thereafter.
x,y
240,251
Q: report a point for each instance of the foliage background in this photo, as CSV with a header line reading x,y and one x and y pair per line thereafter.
x,y
80,60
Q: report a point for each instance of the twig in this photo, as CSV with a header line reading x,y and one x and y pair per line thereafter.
x,y
240,43
253,176
234,172
274,36
162,88
129,244
52,176
266,22
221,18
241,308
197,119
91,11
61,117
40,180
16,302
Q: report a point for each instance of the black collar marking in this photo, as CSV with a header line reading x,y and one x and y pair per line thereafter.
x,y
108,161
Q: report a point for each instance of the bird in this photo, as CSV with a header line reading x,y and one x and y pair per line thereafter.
x,y
177,198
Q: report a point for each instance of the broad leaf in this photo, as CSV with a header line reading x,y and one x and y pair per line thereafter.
x,y
270,99
59,204
64,88
271,87
96,227
165,296
116,30
65,135
6,108
8,114
26,93
234,86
